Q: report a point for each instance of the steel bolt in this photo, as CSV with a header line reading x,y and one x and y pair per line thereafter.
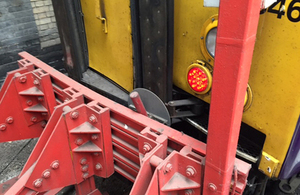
x,y
83,161
98,167
55,164
189,192
79,142
33,119
46,174
212,187
95,137
96,153
93,119
37,183
43,124
40,99
2,127
85,175
168,167
23,79
36,82
9,120
146,148
84,168
29,102
190,171
74,114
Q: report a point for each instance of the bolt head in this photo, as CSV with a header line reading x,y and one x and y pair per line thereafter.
x,y
190,171
146,148
74,114
212,187
9,120
43,124
23,79
37,183
36,82
33,119
95,137
29,102
2,127
93,119
55,164
96,154
189,192
98,167
40,99
83,161
46,174
79,141
84,168
168,167
85,175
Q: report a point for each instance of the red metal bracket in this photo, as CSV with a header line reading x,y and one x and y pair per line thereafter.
x,y
83,134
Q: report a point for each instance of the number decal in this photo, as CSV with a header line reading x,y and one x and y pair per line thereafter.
x,y
293,8
279,12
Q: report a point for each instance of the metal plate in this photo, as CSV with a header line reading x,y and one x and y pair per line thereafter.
x,y
153,105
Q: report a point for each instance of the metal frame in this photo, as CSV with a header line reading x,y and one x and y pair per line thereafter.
x,y
95,136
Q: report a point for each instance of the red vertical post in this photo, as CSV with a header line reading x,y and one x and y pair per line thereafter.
x,y
237,26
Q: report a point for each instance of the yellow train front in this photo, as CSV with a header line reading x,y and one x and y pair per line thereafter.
x,y
168,48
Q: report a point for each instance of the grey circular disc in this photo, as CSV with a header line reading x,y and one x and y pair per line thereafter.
x,y
153,104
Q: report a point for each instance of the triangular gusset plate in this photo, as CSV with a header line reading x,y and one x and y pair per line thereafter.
x,y
85,128
32,91
179,182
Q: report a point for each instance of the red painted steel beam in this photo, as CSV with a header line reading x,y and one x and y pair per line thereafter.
x,y
238,21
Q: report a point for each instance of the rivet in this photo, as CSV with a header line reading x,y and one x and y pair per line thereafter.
x,y
9,120
55,164
79,141
212,187
37,183
84,168
74,114
93,119
23,79
33,119
168,167
46,174
83,161
269,169
190,171
85,175
2,127
98,167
